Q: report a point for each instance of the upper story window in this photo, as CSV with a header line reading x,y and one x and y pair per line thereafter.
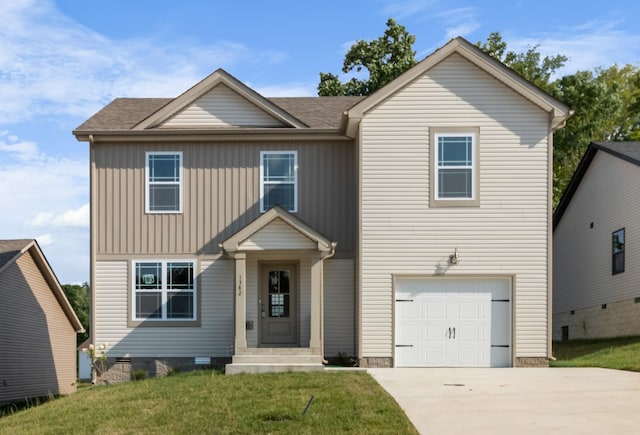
x,y
279,180
163,182
164,290
454,181
617,252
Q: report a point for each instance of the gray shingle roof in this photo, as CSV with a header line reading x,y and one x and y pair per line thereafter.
x,y
10,248
629,151
124,113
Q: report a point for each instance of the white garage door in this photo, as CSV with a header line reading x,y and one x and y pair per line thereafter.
x,y
443,322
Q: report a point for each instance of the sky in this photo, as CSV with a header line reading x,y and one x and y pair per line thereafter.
x,y
62,60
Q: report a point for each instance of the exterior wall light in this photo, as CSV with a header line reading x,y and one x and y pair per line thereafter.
x,y
455,257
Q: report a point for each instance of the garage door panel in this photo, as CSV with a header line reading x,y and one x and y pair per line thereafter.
x,y
453,322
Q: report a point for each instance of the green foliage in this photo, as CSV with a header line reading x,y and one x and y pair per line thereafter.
x,y
529,64
622,353
384,59
139,375
78,296
207,402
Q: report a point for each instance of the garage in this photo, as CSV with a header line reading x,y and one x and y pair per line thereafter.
x,y
452,322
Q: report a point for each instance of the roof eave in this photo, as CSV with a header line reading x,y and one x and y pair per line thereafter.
x,y
197,134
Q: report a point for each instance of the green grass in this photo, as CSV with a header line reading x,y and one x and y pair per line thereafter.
x,y
209,402
621,353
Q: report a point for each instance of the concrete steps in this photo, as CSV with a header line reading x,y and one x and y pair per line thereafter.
x,y
266,360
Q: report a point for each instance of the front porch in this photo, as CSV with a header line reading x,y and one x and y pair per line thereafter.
x,y
278,294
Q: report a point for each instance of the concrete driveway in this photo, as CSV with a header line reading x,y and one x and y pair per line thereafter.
x,y
516,400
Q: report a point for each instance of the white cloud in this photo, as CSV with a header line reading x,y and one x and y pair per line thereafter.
x,y
462,29
50,64
71,218
406,8
589,45
45,240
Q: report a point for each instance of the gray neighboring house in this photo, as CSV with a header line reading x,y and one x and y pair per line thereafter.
x,y
596,260
38,326
410,228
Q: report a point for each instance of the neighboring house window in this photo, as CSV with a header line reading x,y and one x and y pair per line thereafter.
x,y
617,252
454,167
164,290
163,182
279,180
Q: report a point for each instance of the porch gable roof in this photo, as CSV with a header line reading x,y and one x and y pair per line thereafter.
x,y
233,243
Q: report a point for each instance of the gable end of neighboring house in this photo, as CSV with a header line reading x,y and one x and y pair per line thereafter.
x,y
38,327
596,258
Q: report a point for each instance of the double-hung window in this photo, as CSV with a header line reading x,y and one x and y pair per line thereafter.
x,y
163,176
279,180
617,252
454,168
164,290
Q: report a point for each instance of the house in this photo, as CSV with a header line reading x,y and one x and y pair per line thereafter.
x,y
595,272
84,361
408,228
38,326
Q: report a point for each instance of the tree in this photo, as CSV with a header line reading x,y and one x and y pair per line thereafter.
x,y
384,59
78,296
529,64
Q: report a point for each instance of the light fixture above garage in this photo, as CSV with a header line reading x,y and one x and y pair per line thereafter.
x,y
455,257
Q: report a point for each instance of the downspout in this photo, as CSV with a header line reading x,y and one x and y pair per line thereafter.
x,y
92,250
331,253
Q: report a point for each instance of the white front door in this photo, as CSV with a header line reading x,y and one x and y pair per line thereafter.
x,y
452,323
278,304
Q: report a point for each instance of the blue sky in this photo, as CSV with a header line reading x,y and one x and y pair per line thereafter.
x,y
62,60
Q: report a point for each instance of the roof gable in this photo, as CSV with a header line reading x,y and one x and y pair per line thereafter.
x,y
12,250
278,218
627,151
558,111
207,103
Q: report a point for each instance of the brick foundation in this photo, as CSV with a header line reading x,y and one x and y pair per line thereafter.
x,y
532,362
376,362
616,320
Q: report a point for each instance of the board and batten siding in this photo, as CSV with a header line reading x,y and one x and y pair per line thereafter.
x,y
221,195
221,107
607,197
506,235
214,337
37,342
339,308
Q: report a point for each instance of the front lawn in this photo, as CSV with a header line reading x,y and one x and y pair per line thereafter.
x,y
621,353
209,402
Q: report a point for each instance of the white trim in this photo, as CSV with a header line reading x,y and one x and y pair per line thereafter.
x,y
164,290
436,167
295,178
147,183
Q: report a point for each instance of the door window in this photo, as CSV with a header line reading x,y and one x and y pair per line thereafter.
x,y
279,293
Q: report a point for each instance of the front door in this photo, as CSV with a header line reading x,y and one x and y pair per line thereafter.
x,y
278,304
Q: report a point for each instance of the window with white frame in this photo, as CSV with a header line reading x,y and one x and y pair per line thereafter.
x,y
163,182
455,166
279,180
164,290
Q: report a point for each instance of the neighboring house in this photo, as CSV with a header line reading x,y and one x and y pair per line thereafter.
x,y
408,228
38,326
596,263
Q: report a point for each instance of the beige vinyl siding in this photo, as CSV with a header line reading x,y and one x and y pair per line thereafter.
x,y
608,198
506,235
221,107
221,196
277,235
339,308
214,337
37,342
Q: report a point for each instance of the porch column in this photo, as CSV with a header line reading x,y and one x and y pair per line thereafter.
x,y
240,342
315,341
